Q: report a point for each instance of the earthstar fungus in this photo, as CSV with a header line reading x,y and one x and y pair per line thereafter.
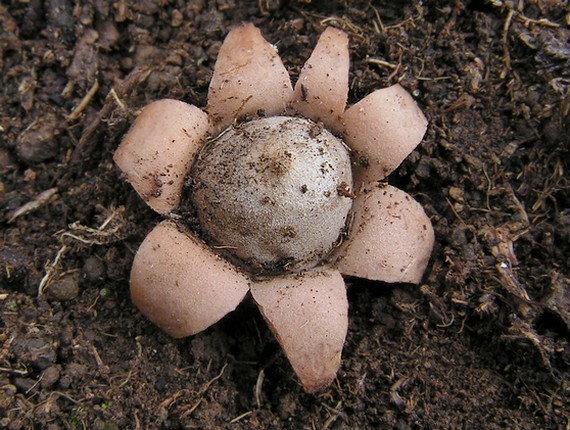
x,y
283,212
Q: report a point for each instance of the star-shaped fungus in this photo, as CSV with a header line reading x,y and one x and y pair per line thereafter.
x,y
285,205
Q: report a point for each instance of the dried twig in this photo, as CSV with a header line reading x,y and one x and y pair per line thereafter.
x,y
84,102
106,233
40,200
113,99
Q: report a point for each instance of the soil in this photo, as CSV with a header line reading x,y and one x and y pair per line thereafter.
x,y
482,343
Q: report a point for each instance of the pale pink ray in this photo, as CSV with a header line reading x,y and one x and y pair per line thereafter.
x,y
180,284
322,89
391,238
383,129
308,313
249,79
157,152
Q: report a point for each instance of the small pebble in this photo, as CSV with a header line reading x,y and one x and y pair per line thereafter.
x,y
76,371
7,393
456,193
2,194
50,377
104,425
5,161
25,385
65,288
94,270
287,406
39,352
38,144
176,18
423,169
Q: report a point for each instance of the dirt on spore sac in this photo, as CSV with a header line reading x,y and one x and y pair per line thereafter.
x,y
483,342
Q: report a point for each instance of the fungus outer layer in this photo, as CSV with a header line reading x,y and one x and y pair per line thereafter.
x,y
249,77
383,129
180,284
184,286
322,89
309,316
275,192
391,237
159,148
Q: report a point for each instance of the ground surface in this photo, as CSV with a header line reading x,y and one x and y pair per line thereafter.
x,y
483,343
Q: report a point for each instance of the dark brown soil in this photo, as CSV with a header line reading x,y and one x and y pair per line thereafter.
x,y
483,343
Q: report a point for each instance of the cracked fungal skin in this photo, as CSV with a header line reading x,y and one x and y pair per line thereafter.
x,y
274,192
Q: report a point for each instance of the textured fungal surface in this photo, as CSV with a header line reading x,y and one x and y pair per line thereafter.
x,y
482,343
200,280
273,205
249,77
158,175
275,192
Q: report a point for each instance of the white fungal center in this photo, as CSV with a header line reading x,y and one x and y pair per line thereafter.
x,y
274,192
